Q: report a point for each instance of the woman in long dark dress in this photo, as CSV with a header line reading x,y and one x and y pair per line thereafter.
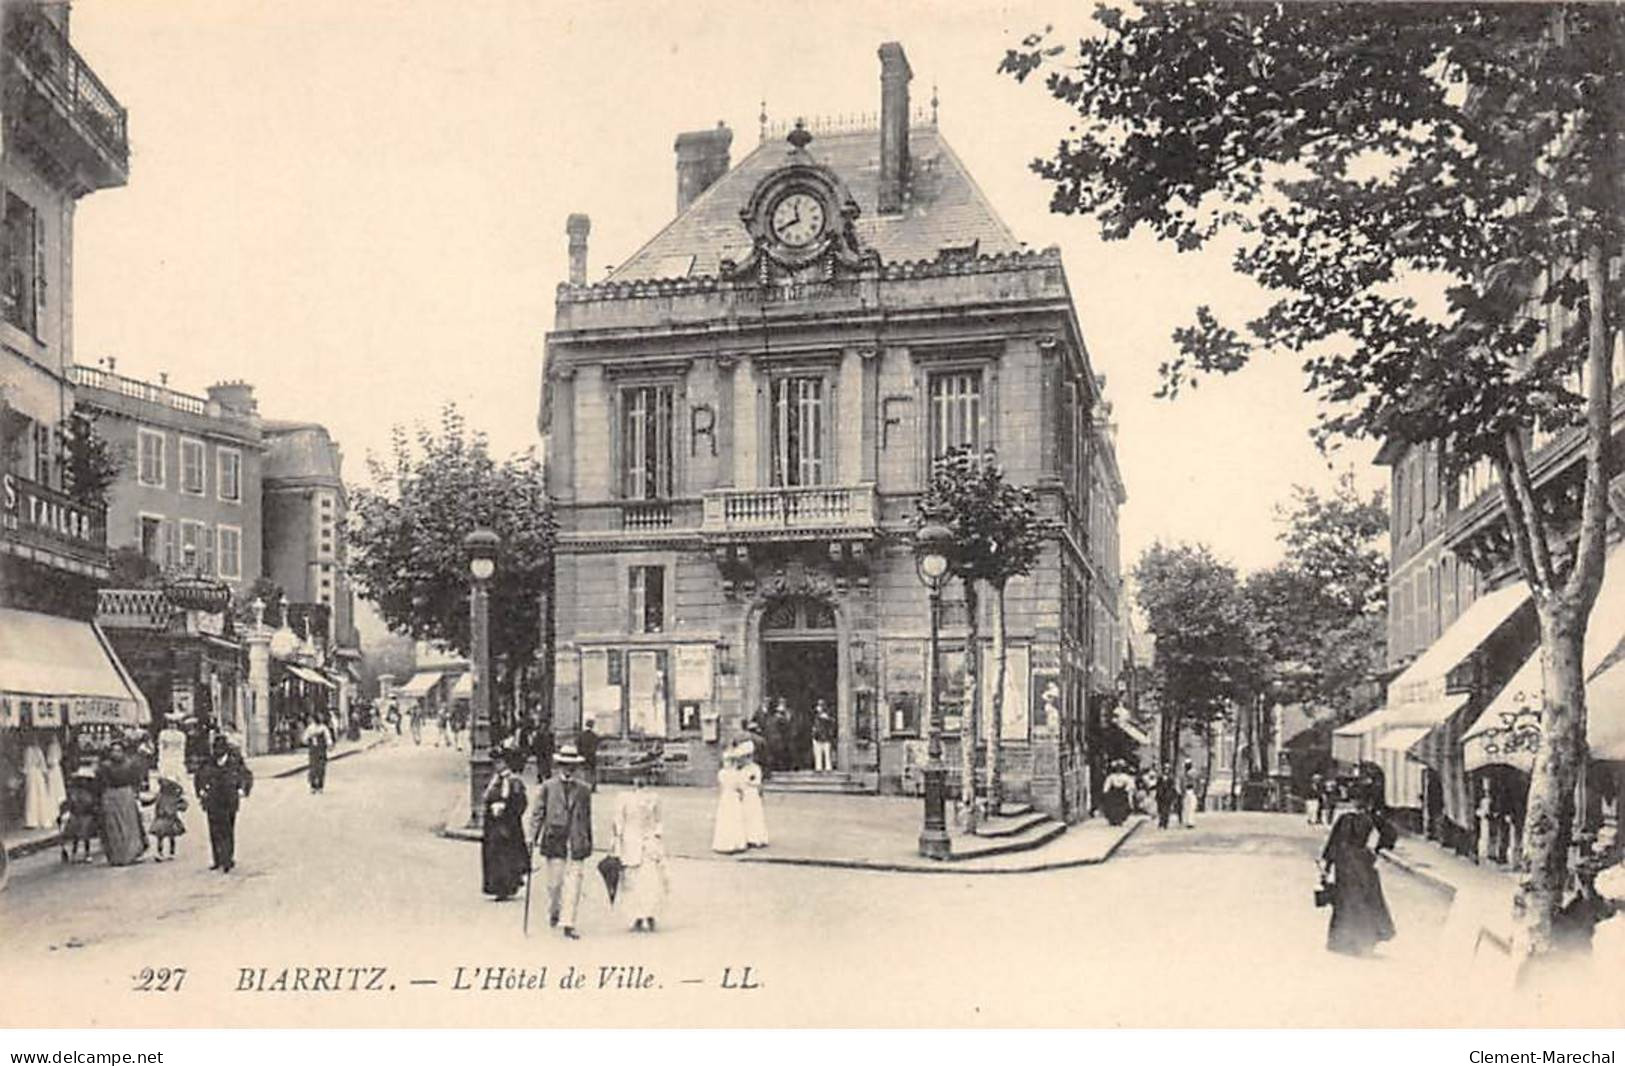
x,y
1360,918
122,775
504,858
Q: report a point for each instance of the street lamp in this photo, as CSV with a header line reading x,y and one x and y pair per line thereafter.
x,y
482,545
931,546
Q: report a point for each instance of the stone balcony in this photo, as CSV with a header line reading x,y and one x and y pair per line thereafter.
x,y
67,114
819,512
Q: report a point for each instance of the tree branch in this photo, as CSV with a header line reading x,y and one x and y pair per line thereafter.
x,y
1528,531
1588,561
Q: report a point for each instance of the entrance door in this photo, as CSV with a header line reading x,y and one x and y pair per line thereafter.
x,y
801,673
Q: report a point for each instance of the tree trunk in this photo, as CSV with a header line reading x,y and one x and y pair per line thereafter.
x,y
1207,777
1564,612
995,769
1240,715
970,732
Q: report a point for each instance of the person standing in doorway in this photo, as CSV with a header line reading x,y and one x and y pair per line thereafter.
x,y
222,782
587,747
563,831
318,738
823,738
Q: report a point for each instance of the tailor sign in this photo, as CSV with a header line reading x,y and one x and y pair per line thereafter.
x,y
39,517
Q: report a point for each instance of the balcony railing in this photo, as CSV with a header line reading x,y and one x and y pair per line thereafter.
x,y
93,378
133,609
62,72
810,510
644,515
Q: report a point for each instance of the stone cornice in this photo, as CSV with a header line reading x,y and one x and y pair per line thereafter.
x,y
905,270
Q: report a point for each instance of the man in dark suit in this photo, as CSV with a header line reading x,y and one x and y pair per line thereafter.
x,y
541,745
562,828
221,783
587,748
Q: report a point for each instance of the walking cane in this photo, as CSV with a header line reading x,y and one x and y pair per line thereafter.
x,y
530,869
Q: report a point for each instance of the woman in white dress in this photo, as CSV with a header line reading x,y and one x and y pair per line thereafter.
x,y
55,784
750,794
639,842
1187,804
729,835
172,756
37,810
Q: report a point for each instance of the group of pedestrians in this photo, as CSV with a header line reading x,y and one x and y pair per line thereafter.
x,y
1176,796
741,821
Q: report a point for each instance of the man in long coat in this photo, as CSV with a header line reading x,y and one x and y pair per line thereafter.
x,y
562,826
222,781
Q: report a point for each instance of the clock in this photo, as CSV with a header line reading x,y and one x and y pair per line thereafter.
x,y
798,219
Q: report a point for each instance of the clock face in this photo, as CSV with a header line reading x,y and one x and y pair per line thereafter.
x,y
798,219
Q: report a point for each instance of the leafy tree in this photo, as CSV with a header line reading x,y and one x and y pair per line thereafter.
x,y
1358,151
1319,613
1207,659
998,534
91,464
407,532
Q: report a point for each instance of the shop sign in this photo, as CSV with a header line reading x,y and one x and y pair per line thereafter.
x,y
44,714
10,713
87,710
33,514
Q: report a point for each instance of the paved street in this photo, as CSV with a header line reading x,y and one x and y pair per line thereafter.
x,y
1204,927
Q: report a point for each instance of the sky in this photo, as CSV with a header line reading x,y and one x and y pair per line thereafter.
x,y
359,207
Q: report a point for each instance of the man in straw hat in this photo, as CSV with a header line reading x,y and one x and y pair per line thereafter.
x,y
562,830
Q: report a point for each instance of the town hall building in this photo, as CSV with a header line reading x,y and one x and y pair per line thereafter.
x,y
739,422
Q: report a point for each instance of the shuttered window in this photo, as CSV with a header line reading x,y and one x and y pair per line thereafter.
x,y
799,430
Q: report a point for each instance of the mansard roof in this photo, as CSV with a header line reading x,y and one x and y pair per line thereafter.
x,y
945,208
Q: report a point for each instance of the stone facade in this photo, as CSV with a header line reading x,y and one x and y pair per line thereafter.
x,y
736,451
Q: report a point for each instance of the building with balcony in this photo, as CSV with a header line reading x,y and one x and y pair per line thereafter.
x,y
739,422
62,690
1460,723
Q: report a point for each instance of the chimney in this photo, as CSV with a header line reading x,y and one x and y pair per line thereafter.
x,y
236,397
578,226
702,158
894,78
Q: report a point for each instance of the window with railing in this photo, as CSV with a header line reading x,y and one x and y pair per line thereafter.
x,y
799,429
646,442
955,403
22,264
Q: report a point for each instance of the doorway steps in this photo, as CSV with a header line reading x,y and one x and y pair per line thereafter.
x,y
838,782
1016,828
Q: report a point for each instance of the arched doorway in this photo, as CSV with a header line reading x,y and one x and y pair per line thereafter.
x,y
801,666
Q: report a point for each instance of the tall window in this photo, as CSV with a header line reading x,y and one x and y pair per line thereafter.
x,y
798,431
230,474
646,442
151,470
192,467
231,551
152,538
22,264
192,545
647,598
956,411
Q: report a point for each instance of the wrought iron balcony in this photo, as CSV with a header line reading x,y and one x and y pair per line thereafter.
x,y
73,91
134,609
813,512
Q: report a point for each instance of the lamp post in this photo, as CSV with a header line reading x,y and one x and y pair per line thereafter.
x,y
931,563
482,545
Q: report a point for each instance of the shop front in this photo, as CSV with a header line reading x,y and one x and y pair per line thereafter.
x,y
63,697
298,694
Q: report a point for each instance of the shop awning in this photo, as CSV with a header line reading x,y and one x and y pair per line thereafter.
x,y
420,684
305,673
1123,722
1400,740
1424,679
64,661
464,688
1508,732
1360,740
1348,741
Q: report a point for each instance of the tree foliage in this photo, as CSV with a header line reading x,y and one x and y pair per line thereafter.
x,y
1359,153
407,529
91,464
1319,614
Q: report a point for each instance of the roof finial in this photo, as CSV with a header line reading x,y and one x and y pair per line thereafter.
x,y
799,138
762,121
933,104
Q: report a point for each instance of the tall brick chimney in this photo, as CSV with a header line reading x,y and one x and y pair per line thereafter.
x,y
578,226
894,79
702,158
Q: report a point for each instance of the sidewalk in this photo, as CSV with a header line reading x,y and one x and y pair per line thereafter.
x,y
1480,897
21,842
845,832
